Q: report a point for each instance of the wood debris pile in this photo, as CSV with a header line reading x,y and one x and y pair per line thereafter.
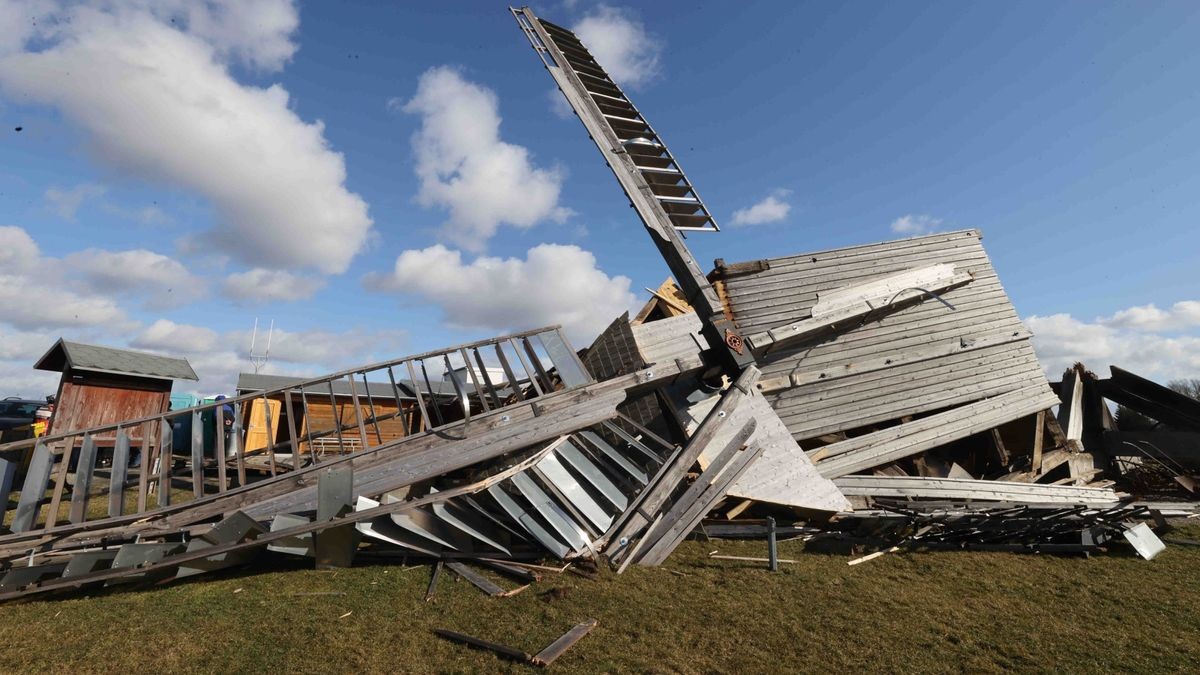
x,y
889,384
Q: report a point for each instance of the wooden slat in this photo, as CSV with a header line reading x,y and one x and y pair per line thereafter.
x,y
219,430
888,445
33,491
556,649
84,468
118,474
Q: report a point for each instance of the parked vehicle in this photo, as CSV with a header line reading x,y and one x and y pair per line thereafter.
x,y
18,412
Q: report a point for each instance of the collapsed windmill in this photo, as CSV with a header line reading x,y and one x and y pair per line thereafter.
x,y
796,383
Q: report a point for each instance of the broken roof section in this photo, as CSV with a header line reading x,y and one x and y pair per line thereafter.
x,y
66,355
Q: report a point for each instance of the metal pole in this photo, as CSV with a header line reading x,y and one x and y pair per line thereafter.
x,y
772,550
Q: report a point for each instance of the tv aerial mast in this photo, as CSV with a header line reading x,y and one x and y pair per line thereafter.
x,y
259,361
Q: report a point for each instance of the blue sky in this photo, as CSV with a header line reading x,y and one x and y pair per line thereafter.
x,y
185,167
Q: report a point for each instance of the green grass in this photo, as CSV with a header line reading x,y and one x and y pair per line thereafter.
x,y
927,612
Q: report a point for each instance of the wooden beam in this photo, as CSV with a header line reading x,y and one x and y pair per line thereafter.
x,y
1038,440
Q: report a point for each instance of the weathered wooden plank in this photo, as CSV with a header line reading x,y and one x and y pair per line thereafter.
x,y
888,445
478,580
37,475
556,649
1038,441
716,488
977,490
84,469
844,317
651,500
956,346
507,423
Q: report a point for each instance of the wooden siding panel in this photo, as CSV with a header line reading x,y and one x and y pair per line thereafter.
x,y
787,291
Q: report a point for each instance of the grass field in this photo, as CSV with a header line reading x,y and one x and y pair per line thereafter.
x,y
926,612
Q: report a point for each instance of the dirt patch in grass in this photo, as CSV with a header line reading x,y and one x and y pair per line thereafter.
x,y
930,612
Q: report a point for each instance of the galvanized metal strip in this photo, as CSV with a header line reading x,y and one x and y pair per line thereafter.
x,y
617,458
529,522
487,380
555,473
268,433
435,399
459,390
467,523
552,512
593,475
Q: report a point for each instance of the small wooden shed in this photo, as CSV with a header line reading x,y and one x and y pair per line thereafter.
x,y
318,412
105,385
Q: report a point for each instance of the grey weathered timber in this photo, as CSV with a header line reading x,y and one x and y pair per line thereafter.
x,y
509,424
917,359
34,488
556,649
165,438
687,514
84,469
197,448
621,151
954,346
975,490
907,439
782,474
652,499
478,580
731,446
119,474
846,316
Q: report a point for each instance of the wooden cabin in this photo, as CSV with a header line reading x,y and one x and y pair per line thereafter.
x,y
318,413
105,385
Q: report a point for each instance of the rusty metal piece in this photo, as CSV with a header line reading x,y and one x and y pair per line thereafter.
x,y
735,341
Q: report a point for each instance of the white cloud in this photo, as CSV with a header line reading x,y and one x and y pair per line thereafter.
x,y
81,289
263,285
334,349
466,168
156,100
770,210
1180,316
166,335
66,201
18,251
27,302
554,284
559,105
915,224
619,42
162,281
1061,340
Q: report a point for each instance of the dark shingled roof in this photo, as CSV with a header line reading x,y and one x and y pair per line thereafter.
x,y
78,356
